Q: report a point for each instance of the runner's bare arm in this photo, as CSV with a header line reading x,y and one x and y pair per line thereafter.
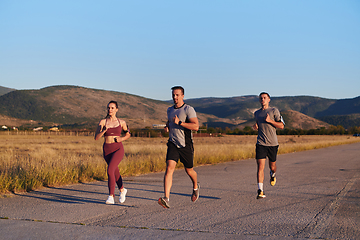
x,y
193,123
274,123
100,131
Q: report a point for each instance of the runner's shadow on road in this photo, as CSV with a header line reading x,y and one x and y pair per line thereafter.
x,y
162,192
68,199
62,198
77,190
71,199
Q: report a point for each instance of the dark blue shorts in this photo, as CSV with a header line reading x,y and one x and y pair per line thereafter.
x,y
266,151
185,154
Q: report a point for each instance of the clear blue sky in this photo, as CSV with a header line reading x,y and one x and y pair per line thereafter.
x,y
212,48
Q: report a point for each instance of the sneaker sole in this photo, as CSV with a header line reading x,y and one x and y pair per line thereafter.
x,y
163,203
124,196
272,183
198,194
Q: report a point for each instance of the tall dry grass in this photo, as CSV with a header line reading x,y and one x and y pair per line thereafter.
x,y
31,162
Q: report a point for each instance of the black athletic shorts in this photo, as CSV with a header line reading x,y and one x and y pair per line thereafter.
x,y
266,151
186,154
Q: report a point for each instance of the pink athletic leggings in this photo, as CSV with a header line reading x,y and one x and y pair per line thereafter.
x,y
113,154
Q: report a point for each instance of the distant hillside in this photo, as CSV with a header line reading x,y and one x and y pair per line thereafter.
x,y
341,107
297,120
346,121
84,107
242,108
72,104
5,90
232,108
15,122
67,105
293,120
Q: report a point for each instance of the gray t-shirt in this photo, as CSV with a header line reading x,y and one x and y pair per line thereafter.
x,y
267,132
179,135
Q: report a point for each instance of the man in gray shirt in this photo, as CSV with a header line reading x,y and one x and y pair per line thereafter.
x,y
267,120
182,120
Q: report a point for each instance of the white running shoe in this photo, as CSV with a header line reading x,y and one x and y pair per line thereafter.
x,y
123,195
110,200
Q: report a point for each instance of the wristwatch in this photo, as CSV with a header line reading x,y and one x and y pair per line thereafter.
x,y
179,123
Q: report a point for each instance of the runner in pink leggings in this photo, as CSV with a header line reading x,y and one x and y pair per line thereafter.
x,y
111,128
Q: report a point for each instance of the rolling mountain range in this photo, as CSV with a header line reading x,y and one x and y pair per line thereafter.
x,y
83,108
345,112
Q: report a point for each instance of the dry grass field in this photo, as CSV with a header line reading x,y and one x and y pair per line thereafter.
x,y
28,162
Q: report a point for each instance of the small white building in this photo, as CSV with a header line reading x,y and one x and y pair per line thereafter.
x,y
159,125
38,129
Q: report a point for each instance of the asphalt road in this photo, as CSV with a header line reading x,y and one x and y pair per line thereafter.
x,y
317,196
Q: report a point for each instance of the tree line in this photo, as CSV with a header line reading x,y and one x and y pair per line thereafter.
x,y
332,130
214,131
